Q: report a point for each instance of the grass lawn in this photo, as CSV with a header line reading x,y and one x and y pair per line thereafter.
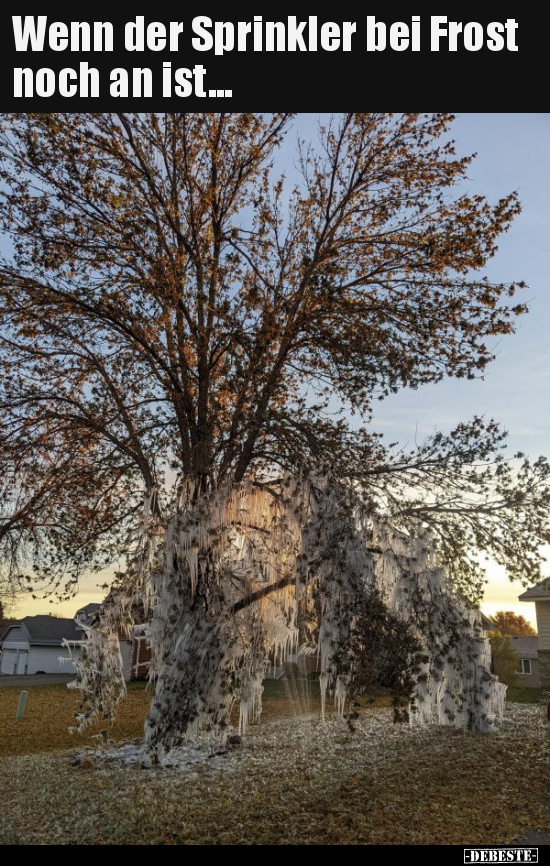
x,y
49,714
294,781
51,709
521,695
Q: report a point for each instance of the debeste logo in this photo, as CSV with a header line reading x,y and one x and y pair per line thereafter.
x,y
501,855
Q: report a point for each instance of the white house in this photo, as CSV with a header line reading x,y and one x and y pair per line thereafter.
x,y
35,644
129,648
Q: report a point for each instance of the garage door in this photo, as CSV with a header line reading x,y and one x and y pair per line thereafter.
x,y
22,660
9,661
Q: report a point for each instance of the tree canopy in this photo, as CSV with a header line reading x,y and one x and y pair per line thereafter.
x,y
512,624
171,310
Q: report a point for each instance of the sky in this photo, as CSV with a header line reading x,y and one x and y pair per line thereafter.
x,y
513,153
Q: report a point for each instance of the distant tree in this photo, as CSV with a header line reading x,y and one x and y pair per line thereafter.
x,y
509,623
4,618
505,660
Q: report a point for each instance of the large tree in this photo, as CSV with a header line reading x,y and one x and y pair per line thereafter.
x,y
178,323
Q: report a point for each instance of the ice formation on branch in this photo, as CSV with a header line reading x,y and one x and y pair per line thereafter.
x,y
241,578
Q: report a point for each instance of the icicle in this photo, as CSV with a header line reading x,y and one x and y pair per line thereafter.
x,y
211,645
340,694
323,684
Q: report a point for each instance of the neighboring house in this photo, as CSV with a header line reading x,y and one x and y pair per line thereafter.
x,y
527,650
487,624
85,614
540,595
141,655
135,651
35,644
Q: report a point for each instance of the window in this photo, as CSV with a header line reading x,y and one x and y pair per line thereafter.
x,y
524,666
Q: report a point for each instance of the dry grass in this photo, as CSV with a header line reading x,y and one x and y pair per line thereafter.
x,y
293,782
50,712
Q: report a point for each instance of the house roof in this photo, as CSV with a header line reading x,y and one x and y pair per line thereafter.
x,y
47,630
487,623
5,630
540,591
85,614
525,647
